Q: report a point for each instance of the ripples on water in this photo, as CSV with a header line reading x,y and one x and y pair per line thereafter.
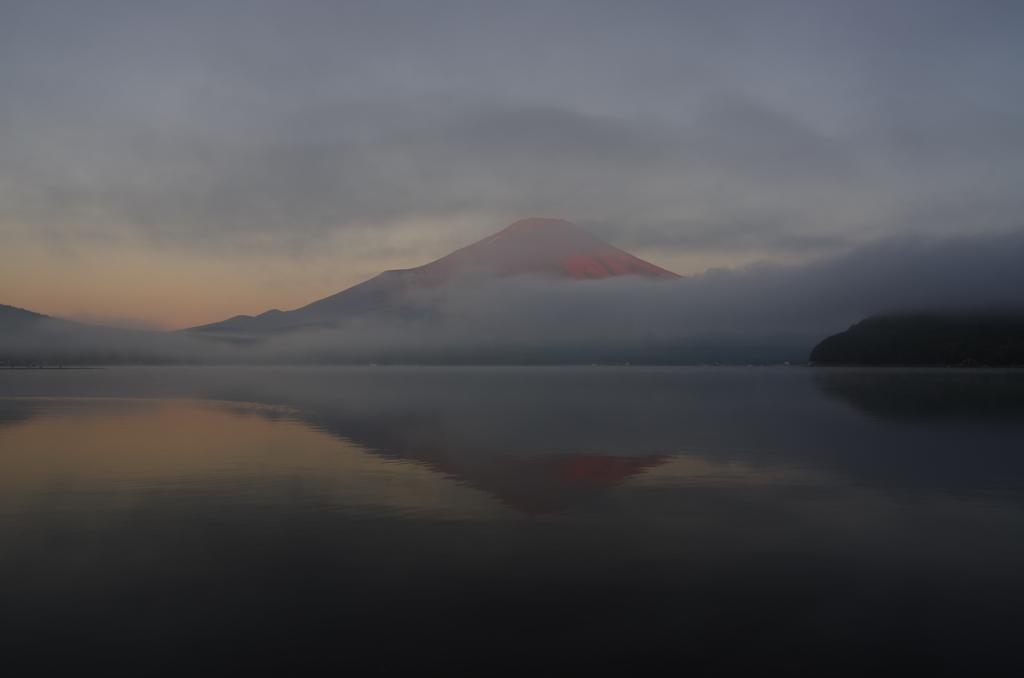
x,y
475,520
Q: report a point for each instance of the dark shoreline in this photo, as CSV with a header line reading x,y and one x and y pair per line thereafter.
x,y
992,339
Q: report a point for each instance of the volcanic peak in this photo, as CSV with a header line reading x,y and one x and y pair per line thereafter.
x,y
547,248
552,248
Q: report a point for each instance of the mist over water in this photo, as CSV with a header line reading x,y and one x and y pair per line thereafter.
x,y
383,519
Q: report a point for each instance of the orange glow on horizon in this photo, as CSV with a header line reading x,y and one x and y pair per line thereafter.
x,y
146,287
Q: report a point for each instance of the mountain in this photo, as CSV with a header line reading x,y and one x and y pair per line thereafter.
x,y
547,248
29,338
13,318
988,339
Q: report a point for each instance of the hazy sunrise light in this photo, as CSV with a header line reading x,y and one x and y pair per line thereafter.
x,y
569,337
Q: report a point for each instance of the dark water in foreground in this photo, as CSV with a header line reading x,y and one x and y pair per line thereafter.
x,y
484,521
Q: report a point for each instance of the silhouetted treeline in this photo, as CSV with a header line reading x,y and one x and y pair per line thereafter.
x,y
994,340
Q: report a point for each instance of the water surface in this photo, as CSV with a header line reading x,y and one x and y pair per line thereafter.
x,y
484,520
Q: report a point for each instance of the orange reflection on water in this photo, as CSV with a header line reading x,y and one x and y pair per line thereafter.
x,y
51,447
59,446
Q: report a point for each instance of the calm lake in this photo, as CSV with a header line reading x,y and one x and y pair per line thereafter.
x,y
491,520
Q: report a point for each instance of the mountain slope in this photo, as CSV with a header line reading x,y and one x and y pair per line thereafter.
x,y
548,248
13,318
29,338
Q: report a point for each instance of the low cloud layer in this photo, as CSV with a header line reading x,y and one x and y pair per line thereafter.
x,y
762,313
904,274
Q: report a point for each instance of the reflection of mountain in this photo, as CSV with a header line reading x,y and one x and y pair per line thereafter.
x,y
526,475
928,394
542,439
548,248
550,483
299,549
538,483
535,480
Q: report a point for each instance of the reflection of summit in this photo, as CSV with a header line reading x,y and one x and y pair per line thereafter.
x,y
538,482
549,248
545,483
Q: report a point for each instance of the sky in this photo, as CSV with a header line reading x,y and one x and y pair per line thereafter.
x,y
164,165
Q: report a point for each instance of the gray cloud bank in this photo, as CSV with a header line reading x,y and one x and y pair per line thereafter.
x,y
903,274
757,314
790,128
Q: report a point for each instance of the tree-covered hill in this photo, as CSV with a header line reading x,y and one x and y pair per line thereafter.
x,y
994,339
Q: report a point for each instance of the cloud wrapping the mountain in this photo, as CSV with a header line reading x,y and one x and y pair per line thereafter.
x,y
903,274
798,304
793,306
